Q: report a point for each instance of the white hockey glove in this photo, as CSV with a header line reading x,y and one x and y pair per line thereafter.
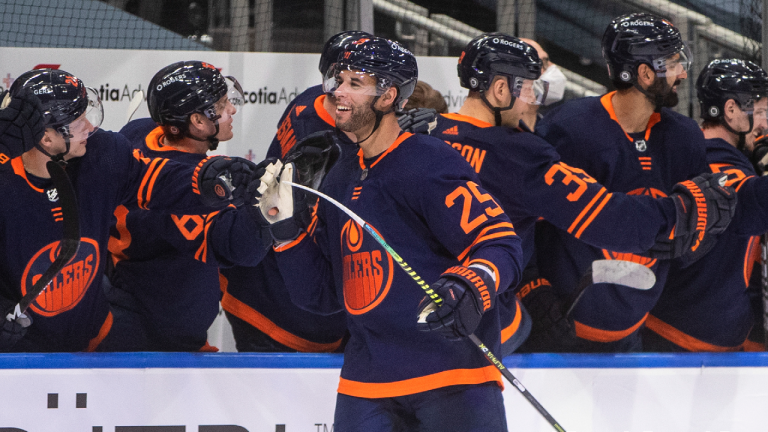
x,y
280,208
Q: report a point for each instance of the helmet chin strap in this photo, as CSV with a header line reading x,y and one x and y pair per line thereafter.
x,y
656,99
59,158
379,115
213,142
742,135
497,110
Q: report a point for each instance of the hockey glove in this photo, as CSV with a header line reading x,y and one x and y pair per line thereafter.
x,y
313,157
467,292
759,156
222,180
418,120
704,209
21,124
552,329
282,209
14,327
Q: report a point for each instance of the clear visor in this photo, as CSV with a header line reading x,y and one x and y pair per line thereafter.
x,y
235,92
674,64
341,79
532,92
88,123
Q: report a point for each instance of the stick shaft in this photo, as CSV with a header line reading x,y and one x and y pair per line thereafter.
x,y
433,295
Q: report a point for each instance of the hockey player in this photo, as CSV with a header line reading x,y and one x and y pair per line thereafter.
x,y
427,204
262,317
631,142
706,306
72,314
165,284
525,174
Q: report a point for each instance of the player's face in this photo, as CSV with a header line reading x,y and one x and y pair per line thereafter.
x,y
760,118
354,94
79,130
226,110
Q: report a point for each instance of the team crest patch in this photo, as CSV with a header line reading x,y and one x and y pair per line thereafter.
x,y
368,270
66,290
53,195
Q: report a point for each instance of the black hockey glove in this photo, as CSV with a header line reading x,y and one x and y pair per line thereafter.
x,y
14,325
223,180
313,157
418,120
552,329
467,292
21,124
759,156
285,211
704,209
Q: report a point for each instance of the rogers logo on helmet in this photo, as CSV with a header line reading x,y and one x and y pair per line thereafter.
x,y
637,23
44,90
169,81
399,48
508,43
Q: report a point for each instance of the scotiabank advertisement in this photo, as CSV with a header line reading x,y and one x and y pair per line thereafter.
x,y
239,392
270,81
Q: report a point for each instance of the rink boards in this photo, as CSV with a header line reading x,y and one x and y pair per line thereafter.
x,y
223,392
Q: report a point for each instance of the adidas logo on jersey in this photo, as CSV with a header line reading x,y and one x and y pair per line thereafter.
x,y
451,131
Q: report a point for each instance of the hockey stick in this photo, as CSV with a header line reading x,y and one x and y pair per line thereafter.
x,y
138,98
68,245
626,273
437,300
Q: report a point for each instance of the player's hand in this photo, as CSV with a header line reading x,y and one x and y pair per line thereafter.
x,y
467,292
22,124
705,207
223,180
284,210
14,327
418,120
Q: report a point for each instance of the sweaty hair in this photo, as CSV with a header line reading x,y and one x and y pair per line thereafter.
x,y
424,96
170,136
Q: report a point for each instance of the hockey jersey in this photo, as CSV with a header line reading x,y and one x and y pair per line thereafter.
x,y
256,294
527,177
165,282
586,134
72,313
427,204
705,306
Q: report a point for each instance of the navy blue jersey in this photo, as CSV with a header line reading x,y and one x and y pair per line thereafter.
x,y
72,313
427,204
165,283
257,294
525,174
586,134
705,306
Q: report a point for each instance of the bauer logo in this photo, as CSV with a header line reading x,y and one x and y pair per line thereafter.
x,y
69,286
368,270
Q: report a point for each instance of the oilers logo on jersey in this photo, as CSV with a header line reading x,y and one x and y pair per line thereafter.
x,y
69,286
368,270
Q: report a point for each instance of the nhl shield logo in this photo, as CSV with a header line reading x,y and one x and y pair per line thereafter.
x,y
53,195
641,145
